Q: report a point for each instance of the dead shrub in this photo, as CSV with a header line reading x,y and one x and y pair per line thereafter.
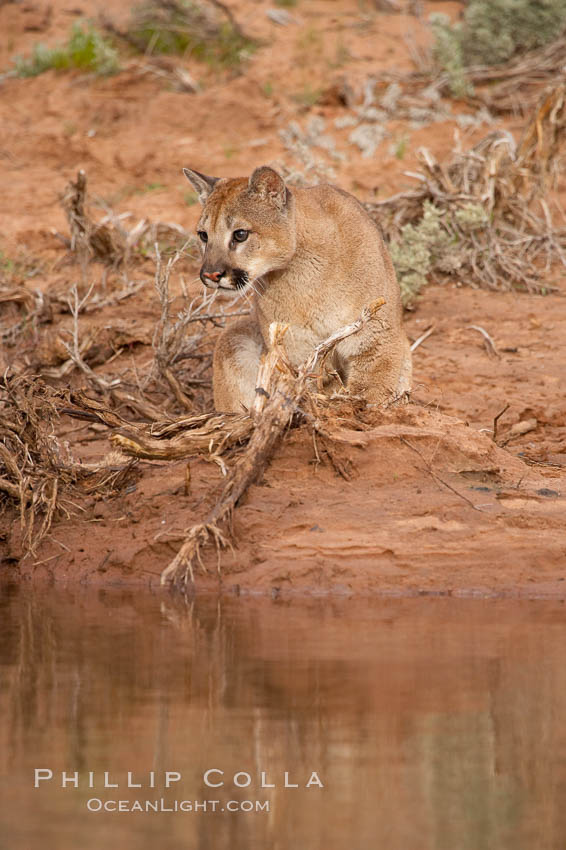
x,y
38,474
484,217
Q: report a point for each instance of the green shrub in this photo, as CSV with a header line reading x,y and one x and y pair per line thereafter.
x,y
492,32
86,49
413,253
495,30
179,27
436,243
447,52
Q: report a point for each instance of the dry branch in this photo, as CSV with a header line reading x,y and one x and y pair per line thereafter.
x,y
496,419
164,438
163,337
74,347
278,397
171,341
217,433
517,85
88,239
37,471
108,240
211,434
424,336
513,87
34,303
429,468
490,346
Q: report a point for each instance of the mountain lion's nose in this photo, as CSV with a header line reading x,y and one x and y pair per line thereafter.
x,y
214,276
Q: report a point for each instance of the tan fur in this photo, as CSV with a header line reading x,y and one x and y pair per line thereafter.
x,y
314,259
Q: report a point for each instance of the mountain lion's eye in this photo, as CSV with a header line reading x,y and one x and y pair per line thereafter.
x,y
240,235
203,235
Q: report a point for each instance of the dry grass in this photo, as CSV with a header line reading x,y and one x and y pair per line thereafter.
x,y
517,86
513,87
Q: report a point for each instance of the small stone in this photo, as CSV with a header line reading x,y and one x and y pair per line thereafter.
x,y
523,427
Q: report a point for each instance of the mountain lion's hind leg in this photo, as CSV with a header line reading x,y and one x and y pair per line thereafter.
x,y
236,361
382,377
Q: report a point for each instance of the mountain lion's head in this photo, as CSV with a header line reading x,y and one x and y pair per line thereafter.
x,y
246,229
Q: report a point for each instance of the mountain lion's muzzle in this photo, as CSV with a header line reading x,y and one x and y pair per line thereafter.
x,y
233,279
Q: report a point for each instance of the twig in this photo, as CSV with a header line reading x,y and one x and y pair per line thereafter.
x,y
496,421
169,338
74,349
489,343
437,478
422,337
162,334
89,239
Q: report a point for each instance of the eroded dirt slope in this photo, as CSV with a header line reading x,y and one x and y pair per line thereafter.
x,y
432,505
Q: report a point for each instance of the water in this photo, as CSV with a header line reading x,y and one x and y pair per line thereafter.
x,y
431,723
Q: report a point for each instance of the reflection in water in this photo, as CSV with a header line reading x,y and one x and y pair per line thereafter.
x,y
434,724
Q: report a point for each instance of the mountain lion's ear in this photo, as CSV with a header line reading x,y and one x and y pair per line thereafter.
x,y
267,184
203,184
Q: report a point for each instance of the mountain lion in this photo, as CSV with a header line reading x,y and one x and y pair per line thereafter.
x,y
311,259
